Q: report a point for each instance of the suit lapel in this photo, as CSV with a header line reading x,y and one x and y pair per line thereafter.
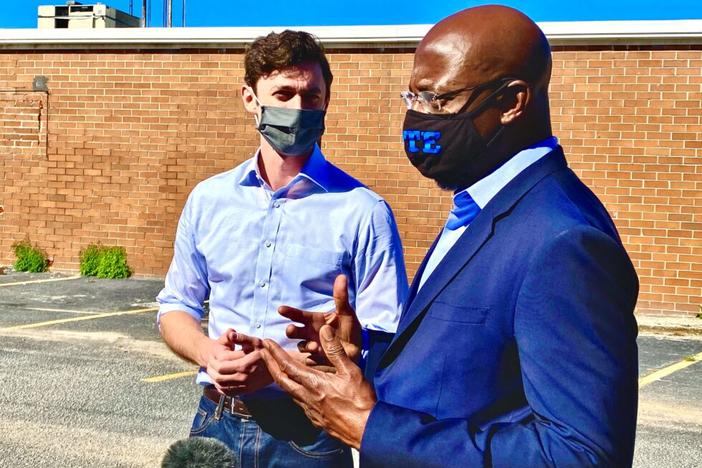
x,y
474,237
465,247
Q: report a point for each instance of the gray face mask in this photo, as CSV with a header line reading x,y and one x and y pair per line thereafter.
x,y
291,132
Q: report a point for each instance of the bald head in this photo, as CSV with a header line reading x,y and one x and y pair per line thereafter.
x,y
481,44
490,67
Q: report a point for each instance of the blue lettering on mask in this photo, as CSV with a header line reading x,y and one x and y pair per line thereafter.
x,y
428,141
411,137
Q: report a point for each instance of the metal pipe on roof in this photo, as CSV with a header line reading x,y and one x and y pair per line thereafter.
x,y
169,13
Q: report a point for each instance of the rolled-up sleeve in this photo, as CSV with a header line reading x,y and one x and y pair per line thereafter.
x,y
186,287
379,268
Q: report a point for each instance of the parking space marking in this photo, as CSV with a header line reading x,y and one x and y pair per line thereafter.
x,y
96,315
40,281
652,377
164,378
666,371
67,311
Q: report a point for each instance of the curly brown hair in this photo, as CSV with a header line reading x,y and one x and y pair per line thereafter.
x,y
278,51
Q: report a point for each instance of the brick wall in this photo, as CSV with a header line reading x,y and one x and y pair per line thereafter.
x,y
113,150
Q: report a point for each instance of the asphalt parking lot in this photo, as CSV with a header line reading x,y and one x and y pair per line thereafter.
x,y
86,380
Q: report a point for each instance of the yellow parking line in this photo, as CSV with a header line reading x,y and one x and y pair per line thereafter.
x,y
67,311
40,281
666,371
97,315
163,378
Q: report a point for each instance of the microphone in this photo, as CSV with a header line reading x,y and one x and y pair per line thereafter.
x,y
199,452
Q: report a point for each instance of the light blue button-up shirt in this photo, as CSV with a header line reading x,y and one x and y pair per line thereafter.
x,y
250,249
485,190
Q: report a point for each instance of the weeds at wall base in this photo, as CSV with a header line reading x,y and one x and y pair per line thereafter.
x,y
104,261
30,258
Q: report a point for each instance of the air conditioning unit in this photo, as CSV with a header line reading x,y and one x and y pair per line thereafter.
x,y
75,15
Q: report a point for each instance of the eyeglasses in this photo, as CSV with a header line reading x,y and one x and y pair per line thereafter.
x,y
434,103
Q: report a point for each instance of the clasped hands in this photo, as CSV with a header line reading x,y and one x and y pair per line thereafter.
x,y
322,377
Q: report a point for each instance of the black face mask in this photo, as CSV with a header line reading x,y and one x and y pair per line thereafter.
x,y
447,147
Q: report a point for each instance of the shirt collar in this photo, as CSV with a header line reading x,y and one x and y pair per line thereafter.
x,y
486,188
313,171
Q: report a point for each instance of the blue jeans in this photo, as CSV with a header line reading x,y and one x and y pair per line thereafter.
x,y
277,435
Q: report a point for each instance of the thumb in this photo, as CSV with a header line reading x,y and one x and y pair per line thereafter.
x,y
334,350
227,338
341,296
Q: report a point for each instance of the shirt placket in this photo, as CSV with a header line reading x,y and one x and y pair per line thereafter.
x,y
264,265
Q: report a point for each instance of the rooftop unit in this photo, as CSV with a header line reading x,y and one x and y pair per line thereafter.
x,y
75,15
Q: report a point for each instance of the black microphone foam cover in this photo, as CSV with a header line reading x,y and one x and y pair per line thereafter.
x,y
199,452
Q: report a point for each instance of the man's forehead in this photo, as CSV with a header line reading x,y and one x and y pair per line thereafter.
x,y
441,63
304,72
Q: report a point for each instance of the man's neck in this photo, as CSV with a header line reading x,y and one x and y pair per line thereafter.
x,y
278,170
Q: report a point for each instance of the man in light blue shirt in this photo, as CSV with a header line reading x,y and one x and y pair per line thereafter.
x,y
278,229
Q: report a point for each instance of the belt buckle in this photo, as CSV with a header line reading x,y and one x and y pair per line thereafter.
x,y
235,408
220,408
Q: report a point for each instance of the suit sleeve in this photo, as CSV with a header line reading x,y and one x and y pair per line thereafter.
x,y
576,339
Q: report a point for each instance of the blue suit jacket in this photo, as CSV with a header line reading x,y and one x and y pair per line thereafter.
x,y
520,349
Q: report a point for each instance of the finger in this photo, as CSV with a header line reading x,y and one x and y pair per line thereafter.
x,y
297,333
248,343
271,363
325,369
245,364
223,357
227,338
308,347
294,389
296,371
334,350
296,315
313,347
304,357
341,295
308,359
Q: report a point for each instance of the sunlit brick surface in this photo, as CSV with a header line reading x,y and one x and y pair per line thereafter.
x,y
111,154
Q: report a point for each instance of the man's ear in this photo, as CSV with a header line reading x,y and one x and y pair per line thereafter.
x,y
516,98
249,100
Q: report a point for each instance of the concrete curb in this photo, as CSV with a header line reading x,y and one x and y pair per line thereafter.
x,y
670,325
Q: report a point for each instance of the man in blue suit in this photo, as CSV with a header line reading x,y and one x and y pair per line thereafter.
x,y
518,344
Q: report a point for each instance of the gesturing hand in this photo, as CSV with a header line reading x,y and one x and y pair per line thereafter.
x,y
339,402
237,371
343,319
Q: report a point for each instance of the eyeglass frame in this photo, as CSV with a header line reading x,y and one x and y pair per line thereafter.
x,y
410,97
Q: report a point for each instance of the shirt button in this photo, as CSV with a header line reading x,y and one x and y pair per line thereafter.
x,y
269,243
277,205
258,325
262,284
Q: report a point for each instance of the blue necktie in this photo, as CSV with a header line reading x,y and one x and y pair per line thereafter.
x,y
463,212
